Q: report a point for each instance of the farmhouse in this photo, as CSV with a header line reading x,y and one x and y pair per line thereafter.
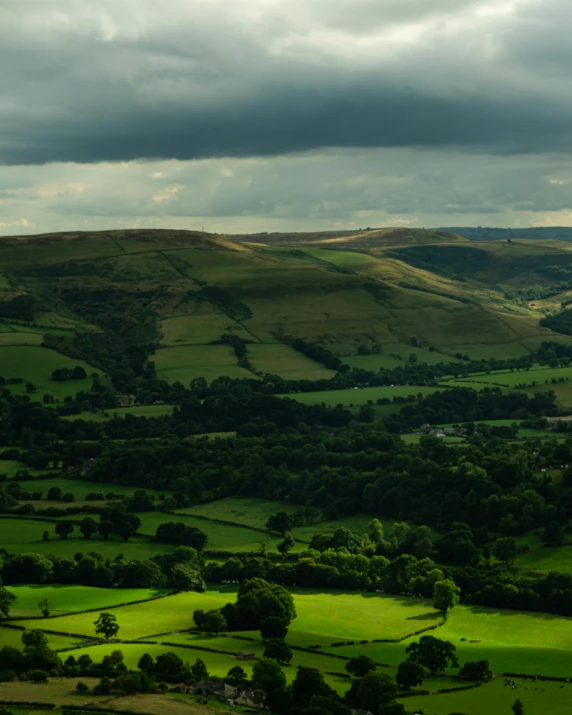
x,y
251,698
214,687
246,655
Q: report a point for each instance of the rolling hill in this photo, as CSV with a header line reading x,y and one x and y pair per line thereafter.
x,y
120,297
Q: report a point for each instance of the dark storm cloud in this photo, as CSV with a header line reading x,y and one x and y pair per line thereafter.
x,y
126,80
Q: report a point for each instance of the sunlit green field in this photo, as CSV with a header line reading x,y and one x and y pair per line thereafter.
x,y
36,364
26,535
360,396
183,364
67,598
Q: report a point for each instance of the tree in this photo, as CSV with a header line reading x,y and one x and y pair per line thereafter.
x,y
375,531
478,670
146,663
46,607
553,533
278,650
7,598
106,528
446,595
308,684
214,622
409,674
433,653
64,528
268,675
360,665
88,527
126,530
372,692
505,549
273,627
103,687
107,625
518,707
34,638
38,676
287,544
279,522
199,671
236,677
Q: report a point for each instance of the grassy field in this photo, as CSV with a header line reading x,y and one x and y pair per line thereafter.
x,y
283,360
12,637
322,616
221,536
360,396
185,363
36,364
538,376
202,326
495,699
138,411
69,598
395,355
25,535
80,488
255,512
10,468
173,613
544,558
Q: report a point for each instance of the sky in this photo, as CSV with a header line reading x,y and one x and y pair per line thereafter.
x,y
239,116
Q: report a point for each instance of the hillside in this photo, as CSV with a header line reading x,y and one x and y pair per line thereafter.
x,y
117,298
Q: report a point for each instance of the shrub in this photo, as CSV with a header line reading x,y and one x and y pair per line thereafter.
x,y
82,687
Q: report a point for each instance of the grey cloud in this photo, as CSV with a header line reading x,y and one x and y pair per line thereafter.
x,y
122,81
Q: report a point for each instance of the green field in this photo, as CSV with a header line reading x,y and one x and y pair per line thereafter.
x,y
255,512
21,536
322,617
70,598
137,411
12,637
221,536
183,364
360,396
36,364
203,326
494,698
395,355
286,362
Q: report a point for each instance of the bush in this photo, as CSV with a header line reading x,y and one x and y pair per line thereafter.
x,y
7,676
37,676
82,687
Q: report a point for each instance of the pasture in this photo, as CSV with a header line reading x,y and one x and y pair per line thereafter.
x,y
183,364
165,615
282,360
67,598
494,698
36,364
253,512
222,537
120,412
360,396
13,637
201,327
20,536
396,355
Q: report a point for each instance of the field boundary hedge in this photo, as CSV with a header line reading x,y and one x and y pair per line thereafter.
x,y
100,609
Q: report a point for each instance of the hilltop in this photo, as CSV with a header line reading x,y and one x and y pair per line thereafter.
x,y
117,298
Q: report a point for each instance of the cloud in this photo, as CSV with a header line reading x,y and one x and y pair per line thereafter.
x,y
316,190
184,79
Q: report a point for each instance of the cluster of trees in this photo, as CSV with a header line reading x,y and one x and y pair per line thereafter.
x,y
179,570
182,535
35,661
61,374
258,600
